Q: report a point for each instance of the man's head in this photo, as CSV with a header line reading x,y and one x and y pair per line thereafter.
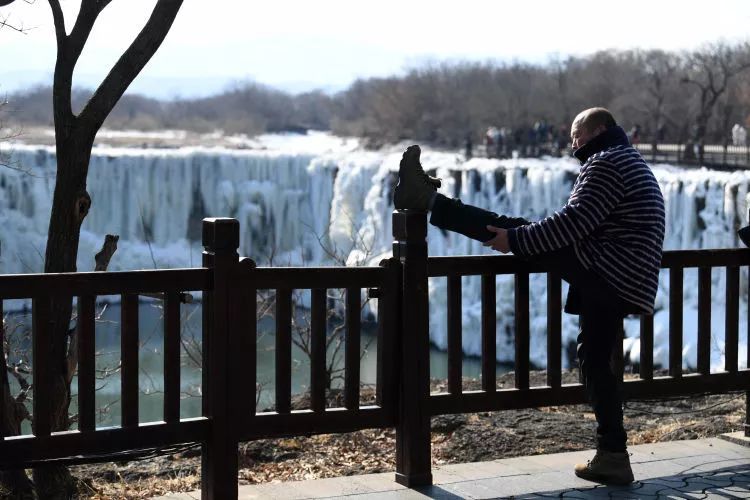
x,y
588,124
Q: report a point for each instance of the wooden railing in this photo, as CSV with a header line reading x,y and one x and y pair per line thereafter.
x,y
715,156
47,446
283,421
230,287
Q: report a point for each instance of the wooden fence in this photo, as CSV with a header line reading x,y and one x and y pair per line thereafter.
x,y
715,156
403,400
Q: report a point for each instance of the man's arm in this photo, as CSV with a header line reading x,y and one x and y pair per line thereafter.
x,y
598,191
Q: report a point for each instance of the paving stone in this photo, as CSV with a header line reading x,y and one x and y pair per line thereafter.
x,y
381,482
697,463
287,491
561,480
526,465
737,438
483,470
326,488
641,490
438,491
259,495
634,491
638,456
697,487
671,449
734,492
724,495
688,469
486,489
656,469
728,449
396,495
716,484
584,495
560,461
445,475
720,447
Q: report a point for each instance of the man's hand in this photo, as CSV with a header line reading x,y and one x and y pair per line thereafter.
x,y
500,241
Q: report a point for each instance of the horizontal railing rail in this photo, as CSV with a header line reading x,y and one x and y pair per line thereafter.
x,y
717,156
313,277
476,265
105,444
26,286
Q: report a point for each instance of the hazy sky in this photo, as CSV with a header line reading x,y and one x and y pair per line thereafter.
x,y
305,44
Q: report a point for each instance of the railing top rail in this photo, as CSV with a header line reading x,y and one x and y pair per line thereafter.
x,y
313,277
21,286
715,257
468,265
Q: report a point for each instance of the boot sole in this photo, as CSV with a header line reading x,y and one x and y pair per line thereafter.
x,y
597,478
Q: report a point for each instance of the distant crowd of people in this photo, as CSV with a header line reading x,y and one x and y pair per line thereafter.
x,y
541,138
535,140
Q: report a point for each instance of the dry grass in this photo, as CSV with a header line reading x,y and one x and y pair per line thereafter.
x,y
455,439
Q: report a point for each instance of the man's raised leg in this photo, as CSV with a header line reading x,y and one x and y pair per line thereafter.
x,y
452,215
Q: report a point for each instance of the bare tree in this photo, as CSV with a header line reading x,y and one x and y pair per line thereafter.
x,y
660,78
74,138
710,70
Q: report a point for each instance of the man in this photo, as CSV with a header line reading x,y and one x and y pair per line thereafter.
x,y
606,242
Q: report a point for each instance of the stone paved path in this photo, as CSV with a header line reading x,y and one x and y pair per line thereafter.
x,y
700,469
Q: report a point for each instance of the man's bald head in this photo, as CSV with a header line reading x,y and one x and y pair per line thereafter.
x,y
588,124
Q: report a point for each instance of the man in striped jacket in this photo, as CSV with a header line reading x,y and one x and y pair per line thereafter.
x,y
606,242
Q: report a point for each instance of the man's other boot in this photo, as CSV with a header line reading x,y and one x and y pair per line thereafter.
x,y
607,467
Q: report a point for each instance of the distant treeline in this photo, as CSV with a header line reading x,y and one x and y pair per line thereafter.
x,y
688,97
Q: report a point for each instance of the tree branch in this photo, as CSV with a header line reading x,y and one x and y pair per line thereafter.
x,y
59,19
82,28
104,255
102,259
63,79
130,64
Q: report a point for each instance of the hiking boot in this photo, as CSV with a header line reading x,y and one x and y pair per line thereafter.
x,y
415,188
607,467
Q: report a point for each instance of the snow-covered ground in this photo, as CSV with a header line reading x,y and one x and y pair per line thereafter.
x,y
300,198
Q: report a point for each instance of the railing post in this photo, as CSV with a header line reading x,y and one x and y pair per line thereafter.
x,y
413,425
744,234
219,465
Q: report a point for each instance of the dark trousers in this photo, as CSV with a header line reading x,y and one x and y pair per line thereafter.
x,y
599,308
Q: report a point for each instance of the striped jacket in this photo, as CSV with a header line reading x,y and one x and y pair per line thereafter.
x,y
614,219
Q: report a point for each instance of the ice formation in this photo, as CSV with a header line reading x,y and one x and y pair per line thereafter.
x,y
300,203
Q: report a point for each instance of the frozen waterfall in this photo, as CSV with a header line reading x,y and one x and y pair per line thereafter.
x,y
300,207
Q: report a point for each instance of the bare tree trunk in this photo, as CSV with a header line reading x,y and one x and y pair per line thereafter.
x,y
74,139
70,205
